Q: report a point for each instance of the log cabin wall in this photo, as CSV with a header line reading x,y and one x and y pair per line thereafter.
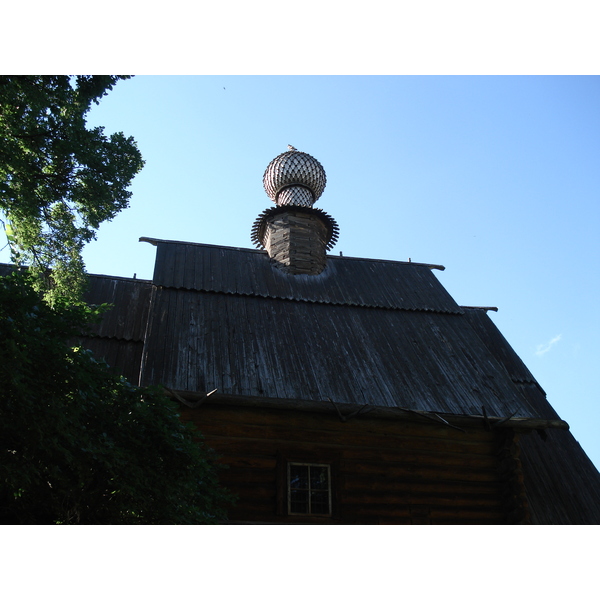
x,y
382,472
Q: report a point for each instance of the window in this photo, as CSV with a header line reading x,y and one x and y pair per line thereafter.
x,y
308,485
309,489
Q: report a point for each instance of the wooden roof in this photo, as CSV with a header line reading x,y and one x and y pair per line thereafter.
x,y
375,332
345,281
119,337
561,482
128,317
384,333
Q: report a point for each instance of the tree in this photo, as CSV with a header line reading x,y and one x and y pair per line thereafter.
x,y
78,444
59,180
81,445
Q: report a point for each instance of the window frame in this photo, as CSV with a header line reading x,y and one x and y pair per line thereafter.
x,y
312,457
308,489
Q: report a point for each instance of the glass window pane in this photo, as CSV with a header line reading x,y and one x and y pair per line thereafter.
x,y
319,503
298,476
319,479
299,501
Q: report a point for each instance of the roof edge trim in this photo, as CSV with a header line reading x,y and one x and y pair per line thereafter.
x,y
521,423
156,241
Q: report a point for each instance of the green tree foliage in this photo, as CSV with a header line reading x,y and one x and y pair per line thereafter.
x,y
59,180
81,445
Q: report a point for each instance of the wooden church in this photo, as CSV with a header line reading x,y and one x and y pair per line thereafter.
x,y
342,390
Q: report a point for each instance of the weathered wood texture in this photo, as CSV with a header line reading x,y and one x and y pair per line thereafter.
x,y
346,281
297,241
123,356
560,480
382,471
119,337
130,305
264,347
382,333
499,347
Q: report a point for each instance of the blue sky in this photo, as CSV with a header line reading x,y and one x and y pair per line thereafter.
x,y
496,178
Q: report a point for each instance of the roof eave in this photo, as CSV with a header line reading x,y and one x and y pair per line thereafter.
x,y
382,412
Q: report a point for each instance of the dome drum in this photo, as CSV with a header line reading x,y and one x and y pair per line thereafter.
x,y
259,229
296,195
296,241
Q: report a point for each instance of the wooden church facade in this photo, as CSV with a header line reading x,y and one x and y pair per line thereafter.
x,y
348,390
373,471
404,397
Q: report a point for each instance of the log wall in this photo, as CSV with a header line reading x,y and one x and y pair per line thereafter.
x,y
383,472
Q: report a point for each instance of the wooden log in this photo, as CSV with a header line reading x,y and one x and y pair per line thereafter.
x,y
402,441
261,416
413,456
427,473
471,514
380,412
410,499
470,488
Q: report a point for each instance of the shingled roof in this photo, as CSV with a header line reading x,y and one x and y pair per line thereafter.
x,y
119,337
384,333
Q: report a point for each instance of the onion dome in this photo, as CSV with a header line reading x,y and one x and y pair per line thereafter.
x,y
295,236
294,178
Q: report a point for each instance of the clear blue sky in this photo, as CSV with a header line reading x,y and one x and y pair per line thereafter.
x,y
496,178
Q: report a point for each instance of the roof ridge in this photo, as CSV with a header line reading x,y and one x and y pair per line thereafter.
x,y
156,241
118,277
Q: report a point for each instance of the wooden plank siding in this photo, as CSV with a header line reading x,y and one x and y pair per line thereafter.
x,y
345,281
264,347
560,480
388,472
